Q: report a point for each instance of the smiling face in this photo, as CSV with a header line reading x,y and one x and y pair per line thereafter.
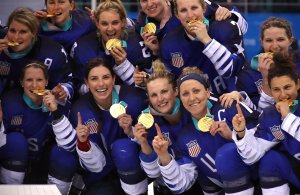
x,y
100,82
61,9
276,40
283,88
162,95
154,8
194,98
188,10
20,33
34,78
110,25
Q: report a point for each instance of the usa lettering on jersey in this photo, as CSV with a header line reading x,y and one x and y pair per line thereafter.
x,y
277,133
177,59
193,148
92,125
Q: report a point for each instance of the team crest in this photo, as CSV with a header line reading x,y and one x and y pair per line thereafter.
x,y
259,85
4,68
177,59
16,120
167,137
277,133
92,125
193,148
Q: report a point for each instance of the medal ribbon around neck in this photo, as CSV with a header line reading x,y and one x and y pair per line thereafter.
x,y
117,108
32,105
204,123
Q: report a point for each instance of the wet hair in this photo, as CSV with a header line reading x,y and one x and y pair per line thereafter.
x,y
160,72
193,73
278,23
202,3
283,65
37,65
96,62
24,16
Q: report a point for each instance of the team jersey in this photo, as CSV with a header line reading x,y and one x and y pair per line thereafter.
x,y
34,123
221,59
104,129
250,81
272,130
170,133
81,25
198,150
89,47
44,50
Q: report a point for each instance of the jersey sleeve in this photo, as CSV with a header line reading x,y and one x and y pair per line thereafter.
x,y
92,160
226,50
179,175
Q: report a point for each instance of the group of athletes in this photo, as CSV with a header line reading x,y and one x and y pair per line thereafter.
x,y
115,103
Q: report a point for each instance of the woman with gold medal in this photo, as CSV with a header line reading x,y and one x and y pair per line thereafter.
x,y
209,128
114,41
272,148
164,109
102,116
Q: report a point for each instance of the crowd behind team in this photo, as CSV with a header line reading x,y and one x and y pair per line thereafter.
x,y
116,103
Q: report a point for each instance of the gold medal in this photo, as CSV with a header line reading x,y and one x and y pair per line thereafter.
x,y
205,123
192,21
146,119
150,28
116,110
13,44
113,43
39,92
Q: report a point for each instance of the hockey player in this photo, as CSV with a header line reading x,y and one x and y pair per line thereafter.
x,y
62,22
32,150
103,129
21,45
111,24
214,47
198,141
275,143
276,36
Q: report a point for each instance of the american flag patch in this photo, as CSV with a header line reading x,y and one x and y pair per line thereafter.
x,y
167,137
259,85
92,125
277,133
4,68
16,120
193,148
177,59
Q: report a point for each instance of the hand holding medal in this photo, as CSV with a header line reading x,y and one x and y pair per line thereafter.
x,y
205,123
117,109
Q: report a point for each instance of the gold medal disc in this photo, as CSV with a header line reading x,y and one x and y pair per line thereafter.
x,y
13,44
39,92
112,43
116,110
150,28
146,119
205,123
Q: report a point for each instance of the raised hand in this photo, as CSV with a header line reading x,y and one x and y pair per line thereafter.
x,y
125,121
227,99
222,13
119,54
151,42
238,121
160,146
82,131
283,108
49,101
59,93
139,77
